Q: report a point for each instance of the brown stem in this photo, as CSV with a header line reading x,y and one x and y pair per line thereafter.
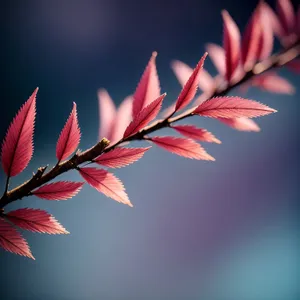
x,y
40,178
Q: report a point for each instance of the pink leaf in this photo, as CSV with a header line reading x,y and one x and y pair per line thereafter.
x,y
148,88
294,66
217,55
36,220
61,190
69,137
17,147
231,44
12,241
232,107
181,146
273,83
251,41
190,88
122,120
241,124
145,116
195,133
183,72
266,39
298,22
286,15
107,114
121,157
105,183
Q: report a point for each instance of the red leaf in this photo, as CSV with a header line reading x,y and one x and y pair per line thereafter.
x,y
145,116
190,88
195,133
251,41
106,183
17,147
183,72
231,44
12,241
294,66
273,83
69,137
217,55
181,146
122,120
286,16
36,220
241,124
298,22
107,114
232,107
121,157
61,190
148,88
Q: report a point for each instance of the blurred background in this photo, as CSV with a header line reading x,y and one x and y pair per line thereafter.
x,y
198,230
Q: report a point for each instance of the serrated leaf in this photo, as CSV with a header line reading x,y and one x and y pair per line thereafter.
x,y
69,138
251,41
105,183
123,118
241,124
217,55
183,72
144,117
182,147
231,42
107,114
189,90
195,133
148,88
61,190
11,240
273,83
36,220
17,147
120,157
232,107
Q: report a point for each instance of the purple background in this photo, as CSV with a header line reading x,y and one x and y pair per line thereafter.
x,y
198,230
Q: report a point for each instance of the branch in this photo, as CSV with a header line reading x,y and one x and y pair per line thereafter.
x,y
40,178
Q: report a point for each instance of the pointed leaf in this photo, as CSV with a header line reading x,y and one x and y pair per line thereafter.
x,y
232,107
105,183
286,16
294,66
190,88
217,55
183,72
195,133
122,120
181,146
251,40
120,157
273,83
61,190
69,137
107,114
145,116
11,240
36,220
148,88
231,41
241,124
17,147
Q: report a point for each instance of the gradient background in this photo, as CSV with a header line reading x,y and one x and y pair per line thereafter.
x,y
227,230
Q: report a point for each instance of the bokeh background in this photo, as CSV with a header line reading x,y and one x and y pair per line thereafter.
x,y
198,230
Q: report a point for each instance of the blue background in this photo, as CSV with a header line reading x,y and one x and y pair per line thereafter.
x,y
198,230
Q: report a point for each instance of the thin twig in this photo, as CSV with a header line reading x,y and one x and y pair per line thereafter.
x,y
40,178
